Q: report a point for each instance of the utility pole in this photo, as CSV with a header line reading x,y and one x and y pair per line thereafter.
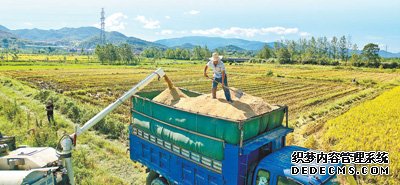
x,y
103,30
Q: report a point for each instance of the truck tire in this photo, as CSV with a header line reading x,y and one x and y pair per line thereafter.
x,y
159,181
151,176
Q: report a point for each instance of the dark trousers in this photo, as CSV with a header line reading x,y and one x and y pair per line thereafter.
x,y
50,117
226,90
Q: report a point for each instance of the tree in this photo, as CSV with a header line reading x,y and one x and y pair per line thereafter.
x,y
349,46
343,48
50,50
169,53
185,54
277,45
206,53
354,49
292,48
125,53
309,56
320,47
99,51
312,47
355,59
112,54
152,53
283,55
370,53
334,47
265,52
302,45
325,47
197,53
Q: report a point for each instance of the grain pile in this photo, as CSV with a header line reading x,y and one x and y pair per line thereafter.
x,y
241,109
170,96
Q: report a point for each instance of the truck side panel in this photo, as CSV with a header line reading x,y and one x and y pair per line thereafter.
x,y
173,167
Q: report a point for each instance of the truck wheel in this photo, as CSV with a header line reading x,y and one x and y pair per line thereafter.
x,y
159,181
151,176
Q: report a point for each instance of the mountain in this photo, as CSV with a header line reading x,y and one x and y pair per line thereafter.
x,y
386,54
86,37
118,38
184,46
63,34
232,48
2,28
213,42
6,35
382,53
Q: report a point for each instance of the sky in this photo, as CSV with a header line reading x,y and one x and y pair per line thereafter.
x,y
364,21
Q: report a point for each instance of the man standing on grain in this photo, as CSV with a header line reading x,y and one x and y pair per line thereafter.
x,y
219,75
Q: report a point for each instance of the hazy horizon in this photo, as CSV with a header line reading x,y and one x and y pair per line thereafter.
x,y
266,21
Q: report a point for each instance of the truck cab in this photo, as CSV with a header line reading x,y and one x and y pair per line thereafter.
x,y
274,169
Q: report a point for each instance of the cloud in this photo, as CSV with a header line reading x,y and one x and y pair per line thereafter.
x,y
247,32
305,34
167,17
148,23
114,22
28,24
167,32
280,30
182,32
192,12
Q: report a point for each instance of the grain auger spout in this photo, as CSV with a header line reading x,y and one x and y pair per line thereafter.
x,y
67,142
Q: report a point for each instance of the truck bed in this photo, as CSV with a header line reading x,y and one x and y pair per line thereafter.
x,y
181,166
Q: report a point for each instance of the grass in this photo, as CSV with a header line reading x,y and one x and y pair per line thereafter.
x,y
96,160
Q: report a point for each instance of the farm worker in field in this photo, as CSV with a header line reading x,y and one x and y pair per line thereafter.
x,y
50,113
218,67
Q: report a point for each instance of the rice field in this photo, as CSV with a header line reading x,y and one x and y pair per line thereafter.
x,y
314,94
371,126
305,89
